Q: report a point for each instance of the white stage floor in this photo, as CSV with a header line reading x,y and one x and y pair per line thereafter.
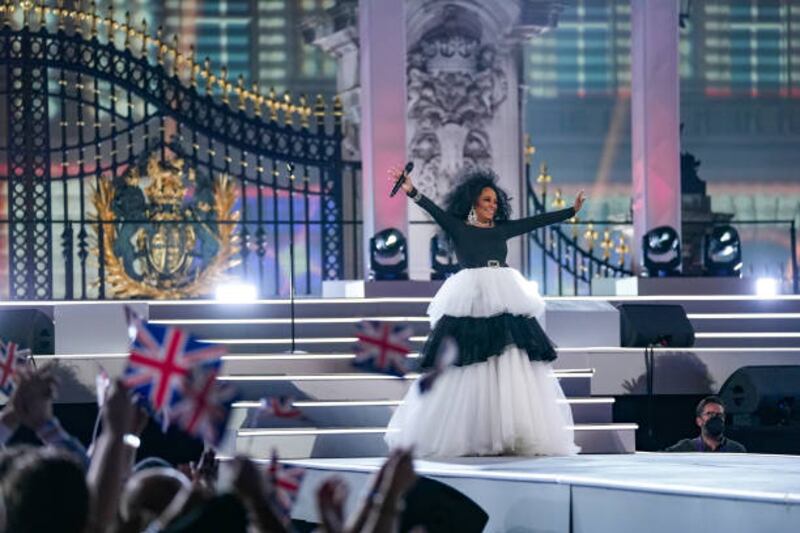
x,y
651,492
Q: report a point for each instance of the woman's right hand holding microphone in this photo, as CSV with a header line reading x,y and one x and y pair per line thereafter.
x,y
407,186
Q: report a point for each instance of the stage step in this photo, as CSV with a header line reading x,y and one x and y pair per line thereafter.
x,y
309,442
369,413
363,386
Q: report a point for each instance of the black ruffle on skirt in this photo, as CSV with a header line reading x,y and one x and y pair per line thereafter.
x,y
478,339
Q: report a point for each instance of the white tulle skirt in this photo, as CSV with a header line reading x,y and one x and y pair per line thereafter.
x,y
505,405
485,292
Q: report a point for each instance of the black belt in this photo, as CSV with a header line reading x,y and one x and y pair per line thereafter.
x,y
494,263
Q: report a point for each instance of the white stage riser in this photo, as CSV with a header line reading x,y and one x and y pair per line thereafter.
x,y
594,441
379,415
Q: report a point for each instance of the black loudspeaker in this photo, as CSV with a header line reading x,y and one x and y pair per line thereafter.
x,y
28,328
643,325
763,396
440,508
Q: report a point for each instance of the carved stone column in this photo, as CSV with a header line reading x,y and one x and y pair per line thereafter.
x,y
463,106
463,111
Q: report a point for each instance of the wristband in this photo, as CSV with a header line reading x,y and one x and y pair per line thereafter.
x,y
414,194
129,439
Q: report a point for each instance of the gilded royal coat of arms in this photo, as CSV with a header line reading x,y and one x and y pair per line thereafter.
x,y
160,241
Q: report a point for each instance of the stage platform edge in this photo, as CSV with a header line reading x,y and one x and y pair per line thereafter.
x,y
654,492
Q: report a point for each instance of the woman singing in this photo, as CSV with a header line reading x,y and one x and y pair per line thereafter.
x,y
501,397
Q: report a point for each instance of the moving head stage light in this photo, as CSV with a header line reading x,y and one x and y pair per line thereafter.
x,y
661,251
388,255
722,252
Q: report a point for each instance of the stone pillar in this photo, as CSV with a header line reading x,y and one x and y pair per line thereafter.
x,y
382,41
463,106
462,109
655,119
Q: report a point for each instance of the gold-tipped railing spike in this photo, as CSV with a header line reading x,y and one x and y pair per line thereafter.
x,y
338,111
257,99
177,58
240,93
305,111
207,75
223,84
160,46
607,244
38,14
622,250
590,236
529,150
126,28
194,70
288,108
109,22
574,221
272,104
5,13
94,22
319,108
544,178
58,11
26,13
145,38
558,201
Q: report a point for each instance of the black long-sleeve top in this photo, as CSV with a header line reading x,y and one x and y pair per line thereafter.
x,y
475,246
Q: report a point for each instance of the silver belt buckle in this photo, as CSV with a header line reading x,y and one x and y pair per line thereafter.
x,y
493,263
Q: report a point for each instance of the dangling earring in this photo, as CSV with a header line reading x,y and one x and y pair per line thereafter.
x,y
472,216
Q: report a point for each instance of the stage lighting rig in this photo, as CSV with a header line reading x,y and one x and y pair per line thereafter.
x,y
443,258
661,252
388,255
722,252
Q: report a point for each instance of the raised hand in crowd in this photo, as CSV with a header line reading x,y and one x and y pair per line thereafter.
x,y
380,511
255,491
33,398
110,465
331,497
205,472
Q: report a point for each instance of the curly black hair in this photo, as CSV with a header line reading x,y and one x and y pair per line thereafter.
x,y
465,195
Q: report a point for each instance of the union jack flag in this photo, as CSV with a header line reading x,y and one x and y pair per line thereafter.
x,y
161,358
286,481
383,347
11,359
205,406
280,407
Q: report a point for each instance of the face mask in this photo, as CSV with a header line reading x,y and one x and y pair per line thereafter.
x,y
714,427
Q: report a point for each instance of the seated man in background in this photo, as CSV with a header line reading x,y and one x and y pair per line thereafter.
x,y
710,418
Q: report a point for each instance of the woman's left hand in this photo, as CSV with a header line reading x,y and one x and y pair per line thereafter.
x,y
579,202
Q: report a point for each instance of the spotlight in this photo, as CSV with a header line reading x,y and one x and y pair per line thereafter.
x,y
722,252
443,258
767,287
388,255
661,250
235,292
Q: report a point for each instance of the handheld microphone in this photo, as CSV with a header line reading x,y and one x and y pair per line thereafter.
x,y
401,178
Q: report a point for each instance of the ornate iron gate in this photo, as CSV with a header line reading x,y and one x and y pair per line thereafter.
x,y
96,104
